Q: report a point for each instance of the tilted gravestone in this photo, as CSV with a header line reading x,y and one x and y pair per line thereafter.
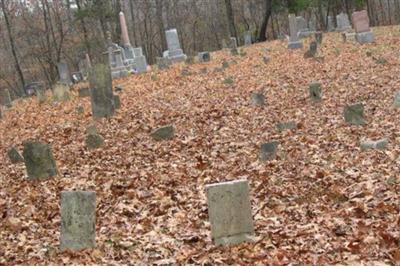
x,y
5,98
93,139
39,160
354,114
286,126
257,99
163,133
101,94
380,144
268,151
63,72
61,92
15,156
361,26
78,220
163,63
294,42
174,53
396,103
312,51
315,90
204,57
229,211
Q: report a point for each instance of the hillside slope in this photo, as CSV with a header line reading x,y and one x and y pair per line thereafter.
x,y
322,201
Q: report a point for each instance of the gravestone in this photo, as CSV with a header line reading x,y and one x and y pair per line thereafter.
x,y
78,220
318,37
286,126
354,114
349,36
302,29
380,144
15,156
93,139
247,38
312,51
396,103
5,98
361,26
61,92
163,63
115,56
229,211
140,61
294,42
343,23
232,43
175,53
41,94
257,99
64,74
234,51
163,133
315,91
312,23
83,92
268,151
101,94
204,57
330,24
39,160
225,64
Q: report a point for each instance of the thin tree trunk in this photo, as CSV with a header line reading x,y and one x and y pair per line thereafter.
x,y
133,17
231,19
262,37
13,48
84,29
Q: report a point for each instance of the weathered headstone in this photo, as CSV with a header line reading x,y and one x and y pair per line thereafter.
x,y
61,92
115,56
286,126
234,51
294,42
93,139
232,43
41,94
380,144
5,98
101,94
78,220
229,211
302,28
204,57
175,53
63,72
349,36
361,26
84,92
318,37
163,63
330,24
39,160
315,90
15,156
343,23
268,151
396,103
163,133
257,99
247,38
354,114
312,51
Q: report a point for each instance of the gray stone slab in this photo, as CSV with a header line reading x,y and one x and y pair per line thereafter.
x,y
140,64
14,156
257,99
163,63
396,102
39,160
365,37
286,126
78,220
64,73
101,94
380,144
229,211
354,114
247,38
163,133
268,151
84,92
294,42
343,22
61,92
315,90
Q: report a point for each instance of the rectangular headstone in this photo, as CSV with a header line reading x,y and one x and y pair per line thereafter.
x,y
330,25
78,220
39,160
229,211
61,92
294,42
343,23
140,64
247,38
63,72
354,114
101,94
175,53
361,21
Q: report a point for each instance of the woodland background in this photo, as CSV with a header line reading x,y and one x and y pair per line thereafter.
x,y
37,34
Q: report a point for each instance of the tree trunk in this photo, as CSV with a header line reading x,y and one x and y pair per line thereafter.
x,y
160,24
84,29
133,17
13,48
231,19
262,37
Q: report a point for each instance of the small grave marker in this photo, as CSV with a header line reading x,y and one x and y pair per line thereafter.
x,y
39,160
315,90
268,151
163,133
354,114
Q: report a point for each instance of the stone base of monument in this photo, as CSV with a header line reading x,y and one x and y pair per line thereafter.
x,y
119,73
304,34
295,45
234,240
365,37
349,37
140,64
348,28
175,56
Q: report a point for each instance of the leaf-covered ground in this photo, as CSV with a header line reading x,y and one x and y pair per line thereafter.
x,y
321,202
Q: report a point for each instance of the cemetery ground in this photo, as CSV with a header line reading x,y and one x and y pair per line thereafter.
x,y
321,201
